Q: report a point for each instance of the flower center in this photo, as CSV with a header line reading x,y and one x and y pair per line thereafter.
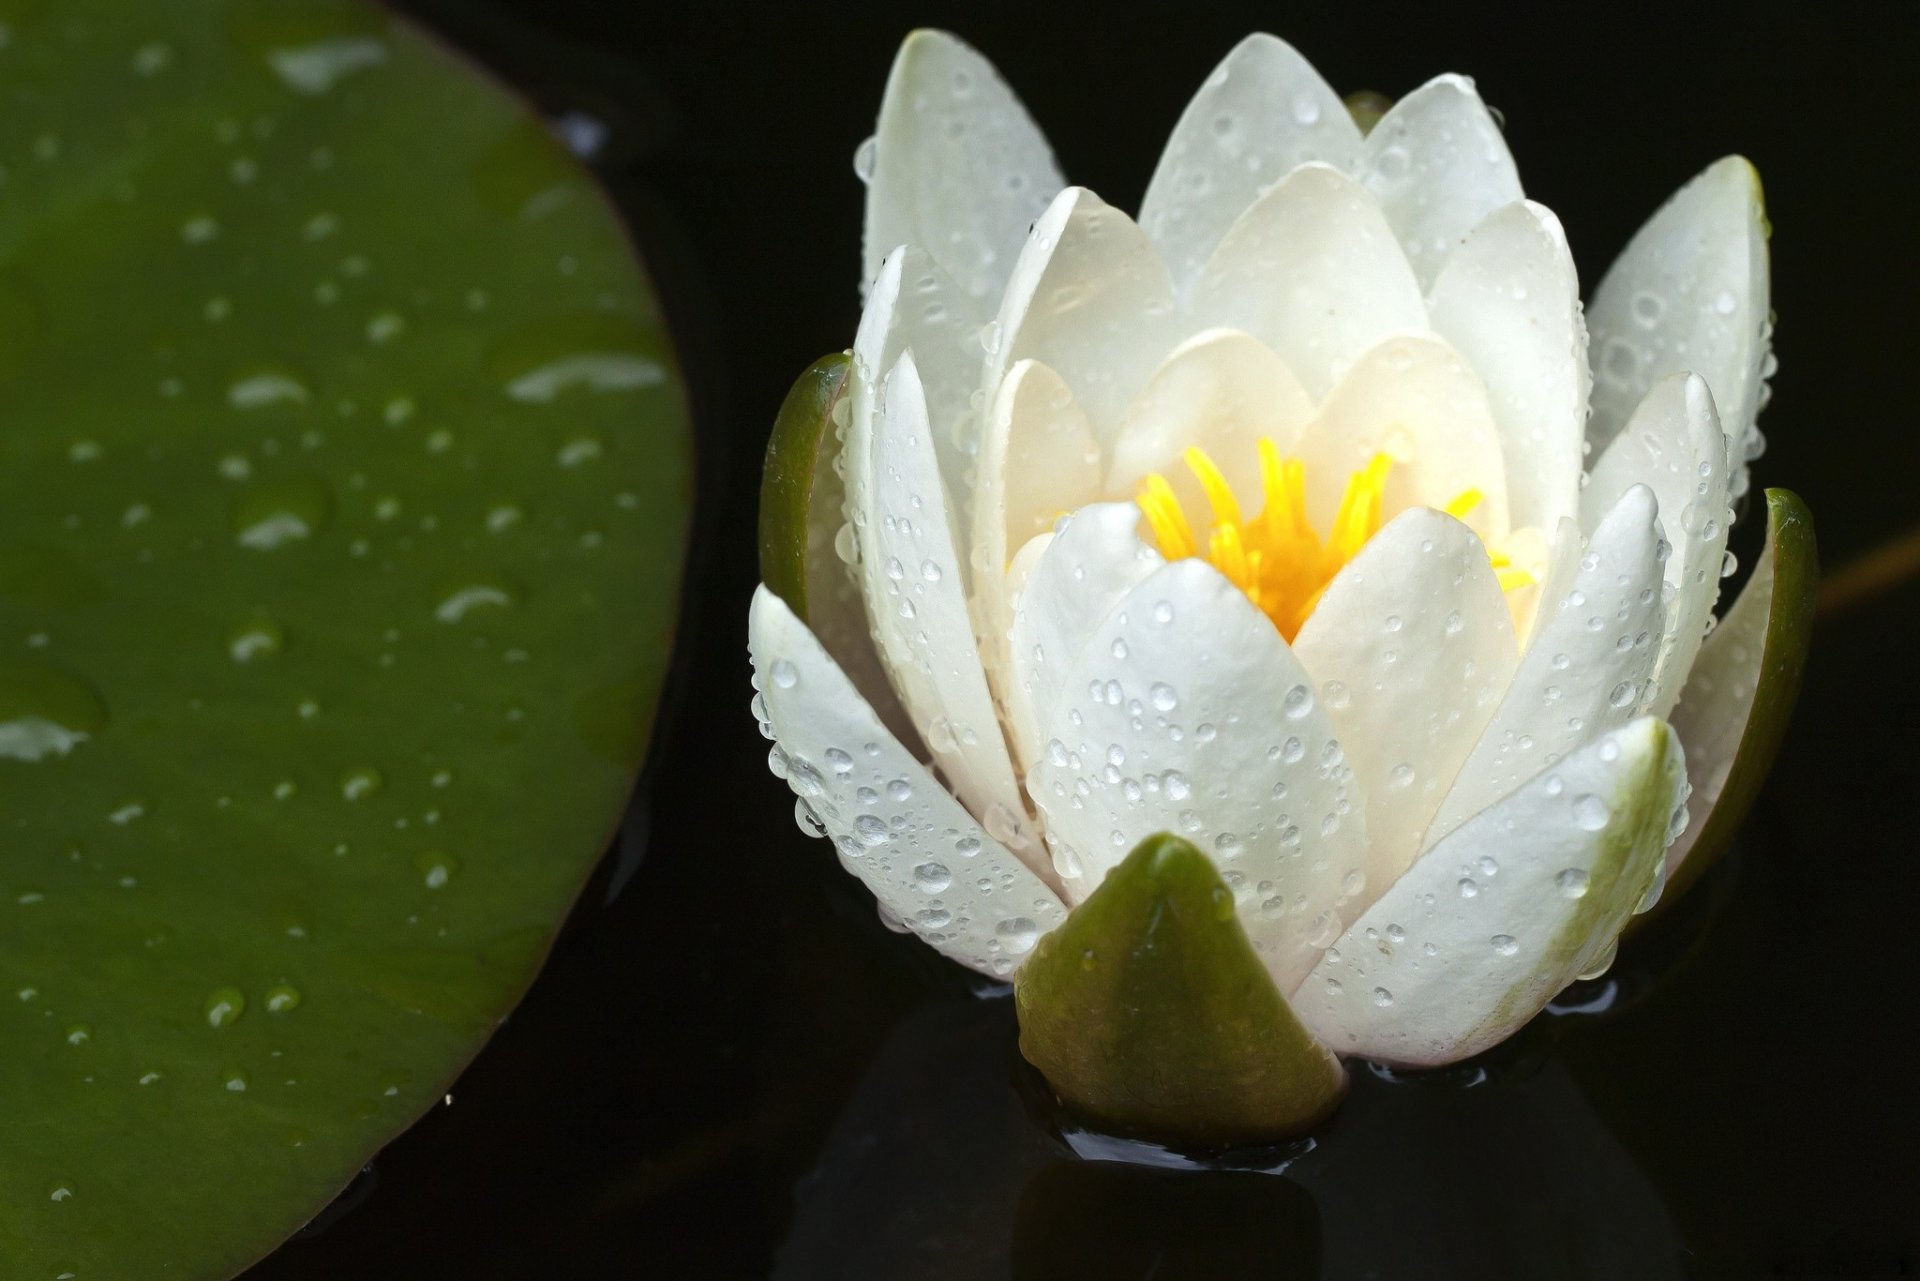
x,y
1279,560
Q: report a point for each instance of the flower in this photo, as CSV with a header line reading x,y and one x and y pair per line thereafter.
x,y
1260,521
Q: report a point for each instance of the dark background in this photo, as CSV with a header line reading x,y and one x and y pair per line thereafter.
x,y
730,1068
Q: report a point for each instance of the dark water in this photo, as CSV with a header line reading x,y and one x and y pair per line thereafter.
x,y
731,1070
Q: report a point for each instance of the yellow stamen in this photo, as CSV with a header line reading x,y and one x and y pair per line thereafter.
x,y
1278,559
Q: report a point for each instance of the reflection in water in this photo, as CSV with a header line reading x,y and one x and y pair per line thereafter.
x,y
936,1171
1082,1219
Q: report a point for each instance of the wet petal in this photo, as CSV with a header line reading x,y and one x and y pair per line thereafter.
x,y
917,602
1038,461
1491,923
1508,300
1313,270
1418,401
1263,112
1673,444
1588,664
1438,164
1222,391
1689,293
959,168
1412,647
924,857
914,306
1187,713
1080,575
1090,297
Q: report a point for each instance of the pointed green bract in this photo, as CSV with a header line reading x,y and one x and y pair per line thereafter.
x,y
1149,1012
344,478
1783,634
798,485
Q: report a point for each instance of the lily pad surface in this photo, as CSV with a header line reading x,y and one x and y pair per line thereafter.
x,y
343,485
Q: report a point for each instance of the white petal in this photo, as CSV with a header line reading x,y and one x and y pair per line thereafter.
x,y
1222,391
917,602
1689,293
1492,922
1262,113
1038,461
1508,300
1186,713
914,306
958,167
1438,164
1711,716
1081,574
1587,665
1673,444
1415,399
1090,297
1313,270
1412,647
897,829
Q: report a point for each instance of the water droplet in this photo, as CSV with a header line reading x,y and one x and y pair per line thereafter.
x,y
255,638
278,512
224,1006
1017,934
931,878
45,711
437,867
1298,702
360,782
1572,882
1382,997
482,596
1505,944
1590,812
281,998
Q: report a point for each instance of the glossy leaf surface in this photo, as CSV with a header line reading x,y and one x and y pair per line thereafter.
x,y
343,486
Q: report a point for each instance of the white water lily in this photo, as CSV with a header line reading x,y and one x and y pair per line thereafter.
x,y
1261,519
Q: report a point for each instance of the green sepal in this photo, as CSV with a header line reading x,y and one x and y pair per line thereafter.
x,y
791,483
1149,1013
1367,106
1789,631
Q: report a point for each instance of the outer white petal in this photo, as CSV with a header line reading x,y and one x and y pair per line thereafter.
x,y
1587,665
1689,293
1674,445
1313,270
1187,713
958,167
1222,391
1090,297
1508,299
1438,164
1262,113
1711,716
896,828
1080,575
915,306
1038,461
917,602
1492,922
1412,647
1415,399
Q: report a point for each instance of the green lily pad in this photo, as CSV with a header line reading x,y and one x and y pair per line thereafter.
x,y
1734,712
1149,1012
343,487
